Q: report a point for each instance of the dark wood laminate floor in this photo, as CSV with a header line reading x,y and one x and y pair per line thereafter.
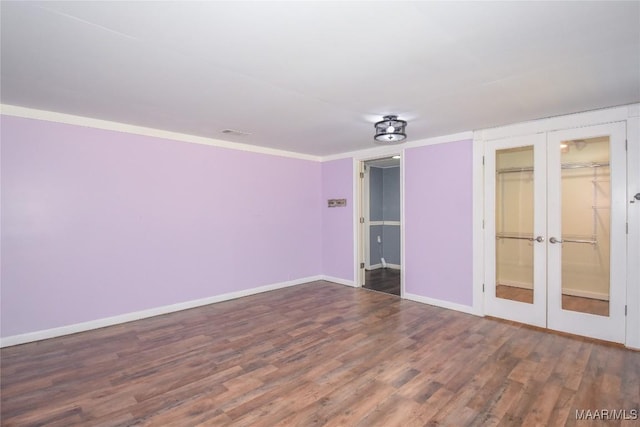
x,y
315,354
385,280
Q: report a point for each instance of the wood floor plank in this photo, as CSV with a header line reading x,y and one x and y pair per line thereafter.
x,y
315,354
385,280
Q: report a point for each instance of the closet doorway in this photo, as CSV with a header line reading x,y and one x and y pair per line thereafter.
x,y
380,225
555,230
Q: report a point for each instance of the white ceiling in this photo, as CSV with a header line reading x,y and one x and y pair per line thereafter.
x,y
313,77
387,162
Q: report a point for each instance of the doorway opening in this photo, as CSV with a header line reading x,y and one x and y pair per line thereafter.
x,y
380,231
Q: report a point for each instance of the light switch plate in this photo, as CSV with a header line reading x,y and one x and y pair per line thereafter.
x,y
337,203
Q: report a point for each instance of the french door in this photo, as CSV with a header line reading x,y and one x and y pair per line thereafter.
x,y
555,230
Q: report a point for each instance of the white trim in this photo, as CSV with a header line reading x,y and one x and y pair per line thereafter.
x,y
339,281
633,236
378,266
441,303
550,124
143,314
630,114
378,152
366,211
402,219
358,250
372,223
477,221
50,116
360,244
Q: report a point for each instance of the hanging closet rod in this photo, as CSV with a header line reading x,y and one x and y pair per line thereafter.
x,y
590,242
564,166
505,236
531,239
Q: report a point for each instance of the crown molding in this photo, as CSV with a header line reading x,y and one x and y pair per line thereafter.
x,y
389,150
51,116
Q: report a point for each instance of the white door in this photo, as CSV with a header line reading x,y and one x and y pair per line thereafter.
x,y
587,231
515,229
555,230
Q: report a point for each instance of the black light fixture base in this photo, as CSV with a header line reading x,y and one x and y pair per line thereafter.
x,y
390,130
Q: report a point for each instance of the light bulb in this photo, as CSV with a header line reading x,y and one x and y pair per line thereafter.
x,y
390,129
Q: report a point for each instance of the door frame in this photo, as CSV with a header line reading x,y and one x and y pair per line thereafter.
x,y
630,114
361,237
633,237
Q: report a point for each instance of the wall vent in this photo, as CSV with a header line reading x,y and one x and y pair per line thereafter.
x,y
235,132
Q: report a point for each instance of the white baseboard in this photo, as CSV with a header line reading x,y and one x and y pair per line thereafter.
x,y
137,315
339,281
441,303
391,266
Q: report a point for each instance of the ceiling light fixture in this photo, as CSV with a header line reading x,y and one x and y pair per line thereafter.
x,y
580,143
390,130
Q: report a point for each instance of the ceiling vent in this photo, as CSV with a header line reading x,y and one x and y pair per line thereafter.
x,y
235,132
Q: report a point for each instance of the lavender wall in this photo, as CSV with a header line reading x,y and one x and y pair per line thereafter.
x,y
391,194
99,223
438,222
337,223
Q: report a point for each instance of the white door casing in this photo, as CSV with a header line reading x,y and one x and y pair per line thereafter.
x,y
546,309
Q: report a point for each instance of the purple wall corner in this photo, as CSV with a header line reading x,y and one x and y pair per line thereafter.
x,y
337,223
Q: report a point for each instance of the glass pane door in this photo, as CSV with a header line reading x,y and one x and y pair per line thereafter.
x,y
514,176
586,222
515,222
587,231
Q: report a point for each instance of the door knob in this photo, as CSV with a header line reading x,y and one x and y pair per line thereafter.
x,y
554,240
636,197
539,239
